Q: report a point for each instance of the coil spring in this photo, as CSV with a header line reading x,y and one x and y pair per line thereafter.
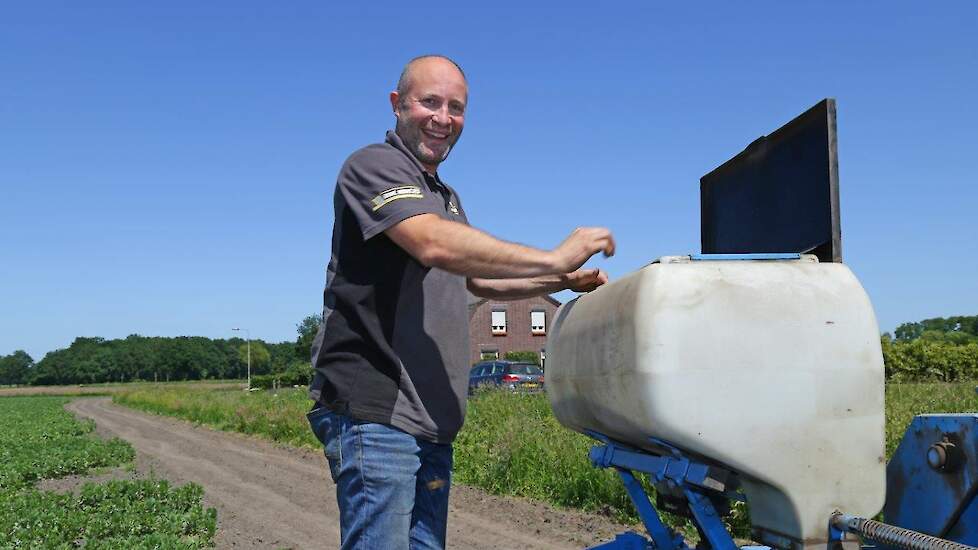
x,y
903,538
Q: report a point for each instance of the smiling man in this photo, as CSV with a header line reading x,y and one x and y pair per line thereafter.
x,y
391,356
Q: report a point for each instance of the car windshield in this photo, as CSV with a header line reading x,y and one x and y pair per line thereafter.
x,y
524,368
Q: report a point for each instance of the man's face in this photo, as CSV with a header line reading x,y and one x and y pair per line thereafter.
x,y
431,113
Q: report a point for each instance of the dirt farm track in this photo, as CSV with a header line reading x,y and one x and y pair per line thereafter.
x,y
269,496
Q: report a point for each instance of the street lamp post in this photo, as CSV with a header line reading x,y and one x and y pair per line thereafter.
x,y
248,333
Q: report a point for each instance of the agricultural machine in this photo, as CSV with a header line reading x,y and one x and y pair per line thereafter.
x,y
753,372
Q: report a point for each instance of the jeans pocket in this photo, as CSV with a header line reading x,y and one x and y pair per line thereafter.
x,y
319,421
327,427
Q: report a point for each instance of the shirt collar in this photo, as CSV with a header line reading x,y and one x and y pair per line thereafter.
x,y
395,140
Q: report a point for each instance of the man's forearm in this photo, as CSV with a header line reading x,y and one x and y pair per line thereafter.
x,y
464,250
467,251
514,289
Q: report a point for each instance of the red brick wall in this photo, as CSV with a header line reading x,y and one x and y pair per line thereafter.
x,y
518,335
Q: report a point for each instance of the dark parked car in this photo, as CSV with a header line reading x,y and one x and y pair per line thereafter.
x,y
506,374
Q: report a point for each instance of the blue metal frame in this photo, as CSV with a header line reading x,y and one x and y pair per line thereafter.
x,y
674,474
938,499
754,256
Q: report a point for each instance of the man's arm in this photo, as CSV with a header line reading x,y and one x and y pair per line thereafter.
x,y
460,249
582,280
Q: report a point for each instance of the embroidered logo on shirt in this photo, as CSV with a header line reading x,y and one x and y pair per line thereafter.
x,y
395,193
453,208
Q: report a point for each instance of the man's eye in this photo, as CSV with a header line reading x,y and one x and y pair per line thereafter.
x,y
456,109
429,102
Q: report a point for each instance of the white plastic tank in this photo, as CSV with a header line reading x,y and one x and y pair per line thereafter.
x,y
772,368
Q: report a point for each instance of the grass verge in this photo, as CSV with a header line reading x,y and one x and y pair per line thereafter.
x,y
511,444
40,440
276,415
109,388
905,401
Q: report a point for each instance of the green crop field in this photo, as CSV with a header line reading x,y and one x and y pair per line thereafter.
x,y
511,444
40,440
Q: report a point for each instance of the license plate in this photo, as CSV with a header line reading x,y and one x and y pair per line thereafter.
x,y
530,385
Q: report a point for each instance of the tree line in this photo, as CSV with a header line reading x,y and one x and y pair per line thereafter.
x,y
941,349
90,360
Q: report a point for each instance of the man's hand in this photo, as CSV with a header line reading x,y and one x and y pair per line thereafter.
x,y
586,280
583,243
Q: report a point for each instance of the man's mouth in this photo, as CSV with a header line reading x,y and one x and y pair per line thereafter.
x,y
434,135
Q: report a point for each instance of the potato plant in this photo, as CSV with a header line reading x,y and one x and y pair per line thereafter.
x,y
40,440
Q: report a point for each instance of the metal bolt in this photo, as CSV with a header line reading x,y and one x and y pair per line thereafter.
x,y
944,456
936,456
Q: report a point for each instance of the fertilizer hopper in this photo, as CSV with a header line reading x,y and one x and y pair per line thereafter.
x,y
759,358
767,368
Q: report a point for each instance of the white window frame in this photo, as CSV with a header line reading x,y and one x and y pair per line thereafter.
x,y
497,322
540,328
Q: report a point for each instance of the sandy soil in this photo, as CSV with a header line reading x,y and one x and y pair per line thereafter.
x,y
270,496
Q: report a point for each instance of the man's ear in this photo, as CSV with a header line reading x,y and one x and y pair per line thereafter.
x,y
395,102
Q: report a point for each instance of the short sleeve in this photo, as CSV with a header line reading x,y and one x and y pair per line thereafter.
x,y
382,188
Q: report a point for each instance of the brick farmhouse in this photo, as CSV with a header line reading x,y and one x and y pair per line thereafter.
x,y
497,327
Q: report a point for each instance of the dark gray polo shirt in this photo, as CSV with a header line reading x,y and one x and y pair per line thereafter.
x,y
393,347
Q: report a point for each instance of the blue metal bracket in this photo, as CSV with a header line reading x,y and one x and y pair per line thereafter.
x,y
679,477
753,256
663,537
932,478
835,534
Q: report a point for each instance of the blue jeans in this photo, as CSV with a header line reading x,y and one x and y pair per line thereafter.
x,y
392,488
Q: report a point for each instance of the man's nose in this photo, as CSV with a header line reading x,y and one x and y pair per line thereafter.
x,y
441,116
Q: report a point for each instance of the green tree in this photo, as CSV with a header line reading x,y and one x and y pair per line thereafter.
x,y
283,354
307,330
15,368
960,324
955,337
260,358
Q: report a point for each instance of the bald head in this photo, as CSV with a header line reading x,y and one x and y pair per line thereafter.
x,y
429,105
430,61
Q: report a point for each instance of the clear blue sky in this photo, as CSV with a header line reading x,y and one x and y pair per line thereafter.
x,y
167,169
